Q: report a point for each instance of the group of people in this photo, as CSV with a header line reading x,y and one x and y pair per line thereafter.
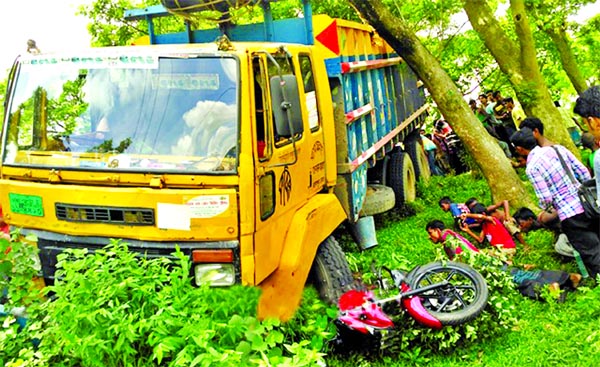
x,y
500,117
528,282
494,225
555,174
444,150
491,224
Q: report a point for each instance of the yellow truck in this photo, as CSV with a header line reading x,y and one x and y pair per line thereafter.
x,y
247,146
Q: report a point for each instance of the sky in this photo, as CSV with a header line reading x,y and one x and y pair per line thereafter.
x,y
55,27
51,23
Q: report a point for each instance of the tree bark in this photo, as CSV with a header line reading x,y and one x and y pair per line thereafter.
x,y
501,177
519,63
567,58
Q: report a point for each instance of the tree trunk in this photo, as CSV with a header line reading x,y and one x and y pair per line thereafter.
x,y
501,177
567,58
519,63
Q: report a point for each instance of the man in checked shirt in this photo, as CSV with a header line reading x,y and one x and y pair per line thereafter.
x,y
553,187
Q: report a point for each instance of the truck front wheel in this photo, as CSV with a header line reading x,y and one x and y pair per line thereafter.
x,y
330,272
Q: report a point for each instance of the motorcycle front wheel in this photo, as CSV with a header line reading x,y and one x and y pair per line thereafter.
x,y
461,300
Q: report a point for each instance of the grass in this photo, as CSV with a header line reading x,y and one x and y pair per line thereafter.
x,y
545,334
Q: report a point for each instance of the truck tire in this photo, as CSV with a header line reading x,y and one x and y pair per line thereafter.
x,y
415,150
378,173
401,177
379,199
330,273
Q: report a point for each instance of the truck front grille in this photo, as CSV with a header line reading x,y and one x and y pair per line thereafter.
x,y
103,214
50,245
50,249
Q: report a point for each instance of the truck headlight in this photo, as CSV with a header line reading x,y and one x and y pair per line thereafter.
x,y
217,275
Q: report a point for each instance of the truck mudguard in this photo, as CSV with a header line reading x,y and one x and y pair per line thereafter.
x,y
282,290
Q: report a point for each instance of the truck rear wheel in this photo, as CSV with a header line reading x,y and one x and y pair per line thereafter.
x,y
401,177
330,272
414,148
378,173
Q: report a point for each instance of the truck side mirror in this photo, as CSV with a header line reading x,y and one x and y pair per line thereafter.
x,y
286,105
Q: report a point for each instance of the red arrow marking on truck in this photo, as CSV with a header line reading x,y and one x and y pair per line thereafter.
x,y
329,38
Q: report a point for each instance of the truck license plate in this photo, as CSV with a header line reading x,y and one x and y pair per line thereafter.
x,y
26,204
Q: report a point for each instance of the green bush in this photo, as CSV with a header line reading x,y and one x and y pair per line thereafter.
x,y
113,308
18,268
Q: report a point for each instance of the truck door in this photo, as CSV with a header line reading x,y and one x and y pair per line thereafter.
x,y
289,167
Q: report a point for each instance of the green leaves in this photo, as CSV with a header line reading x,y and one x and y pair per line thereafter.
x,y
116,308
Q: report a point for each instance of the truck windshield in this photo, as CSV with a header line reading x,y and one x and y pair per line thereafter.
x,y
137,113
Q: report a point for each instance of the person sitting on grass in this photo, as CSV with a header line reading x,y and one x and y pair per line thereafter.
x,y
454,243
503,216
492,230
456,209
528,282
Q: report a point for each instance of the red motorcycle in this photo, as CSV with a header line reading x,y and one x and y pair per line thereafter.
x,y
436,294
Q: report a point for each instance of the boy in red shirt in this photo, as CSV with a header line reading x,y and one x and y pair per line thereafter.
x,y
492,229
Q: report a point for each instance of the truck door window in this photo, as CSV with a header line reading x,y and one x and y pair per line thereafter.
x,y
263,147
310,96
267,195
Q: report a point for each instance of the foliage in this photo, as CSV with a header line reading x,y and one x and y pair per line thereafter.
x,y
112,308
18,268
587,42
2,99
67,107
333,8
19,265
108,26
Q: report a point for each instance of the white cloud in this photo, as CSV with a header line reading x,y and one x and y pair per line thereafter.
x,y
212,130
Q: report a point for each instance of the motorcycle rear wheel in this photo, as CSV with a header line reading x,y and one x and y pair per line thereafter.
x,y
461,301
